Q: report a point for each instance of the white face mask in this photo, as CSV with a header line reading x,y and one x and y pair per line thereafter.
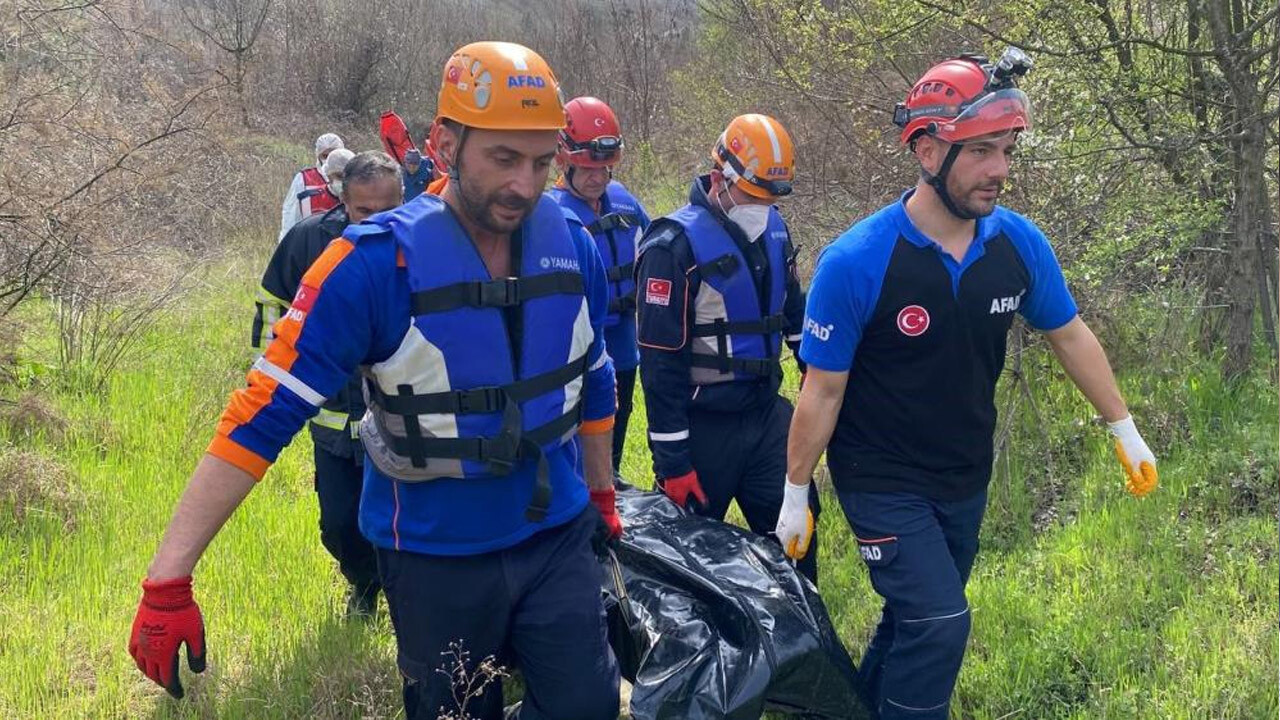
x,y
335,187
751,219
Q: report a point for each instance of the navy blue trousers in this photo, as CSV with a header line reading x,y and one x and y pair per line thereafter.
x,y
626,380
919,553
743,456
537,603
338,484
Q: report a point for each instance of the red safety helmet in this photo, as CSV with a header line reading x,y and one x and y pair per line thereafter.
x,y
966,97
592,137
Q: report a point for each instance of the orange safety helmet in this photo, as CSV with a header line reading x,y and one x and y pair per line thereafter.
x,y
966,97
755,153
500,86
592,137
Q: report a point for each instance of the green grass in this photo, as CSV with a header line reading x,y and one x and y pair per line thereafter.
x,y
1087,603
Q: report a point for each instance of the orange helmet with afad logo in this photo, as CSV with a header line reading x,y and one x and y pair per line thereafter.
x,y
592,137
755,153
500,86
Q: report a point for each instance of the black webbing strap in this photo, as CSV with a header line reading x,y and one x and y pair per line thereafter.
x,y
613,221
764,326
751,366
723,265
623,303
477,400
620,272
502,452
503,292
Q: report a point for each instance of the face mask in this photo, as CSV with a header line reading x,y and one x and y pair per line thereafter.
x,y
335,187
751,219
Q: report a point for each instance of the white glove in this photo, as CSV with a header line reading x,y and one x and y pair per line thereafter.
x,y
795,521
1138,461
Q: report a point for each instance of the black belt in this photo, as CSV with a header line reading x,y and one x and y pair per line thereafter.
x,y
504,292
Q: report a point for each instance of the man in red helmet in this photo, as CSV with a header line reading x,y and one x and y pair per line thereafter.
x,y
590,146
905,331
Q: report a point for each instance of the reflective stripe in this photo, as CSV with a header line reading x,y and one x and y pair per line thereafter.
x,y
299,388
917,709
937,617
270,316
773,139
330,419
795,338
669,437
266,297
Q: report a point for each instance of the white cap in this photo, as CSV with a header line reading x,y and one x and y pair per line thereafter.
x,y
336,161
328,141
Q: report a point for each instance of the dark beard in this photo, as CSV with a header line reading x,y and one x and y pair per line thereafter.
x,y
479,209
971,209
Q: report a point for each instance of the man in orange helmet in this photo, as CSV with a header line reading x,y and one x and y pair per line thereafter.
x,y
590,147
717,298
905,333
476,318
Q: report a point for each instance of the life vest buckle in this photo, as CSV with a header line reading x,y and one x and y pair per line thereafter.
x,y
500,452
480,400
503,292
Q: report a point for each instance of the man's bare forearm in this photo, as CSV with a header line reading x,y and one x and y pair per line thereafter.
x,y
597,459
814,420
216,489
1085,362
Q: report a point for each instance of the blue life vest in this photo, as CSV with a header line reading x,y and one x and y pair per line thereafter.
x,y
615,234
456,399
732,337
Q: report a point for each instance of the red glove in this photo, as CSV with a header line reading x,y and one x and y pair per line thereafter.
x,y
685,491
167,617
606,501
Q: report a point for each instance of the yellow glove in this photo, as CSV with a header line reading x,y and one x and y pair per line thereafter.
x,y
795,521
1135,457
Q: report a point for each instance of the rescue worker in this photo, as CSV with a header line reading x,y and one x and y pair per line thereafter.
x,y
418,173
476,320
905,333
717,297
590,147
309,192
333,169
368,184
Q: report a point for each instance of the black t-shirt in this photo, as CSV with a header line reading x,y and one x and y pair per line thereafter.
x,y
923,338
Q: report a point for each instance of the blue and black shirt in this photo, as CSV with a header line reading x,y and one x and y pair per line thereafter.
x,y
923,339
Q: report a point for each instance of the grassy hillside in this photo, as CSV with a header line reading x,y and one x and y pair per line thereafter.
x,y
1087,603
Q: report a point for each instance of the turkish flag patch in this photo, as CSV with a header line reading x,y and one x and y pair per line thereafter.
x,y
305,298
657,292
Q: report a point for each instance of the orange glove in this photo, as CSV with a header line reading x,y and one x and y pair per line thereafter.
x,y
1137,459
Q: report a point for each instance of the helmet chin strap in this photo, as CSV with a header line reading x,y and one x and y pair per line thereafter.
x,y
939,183
457,155
568,179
